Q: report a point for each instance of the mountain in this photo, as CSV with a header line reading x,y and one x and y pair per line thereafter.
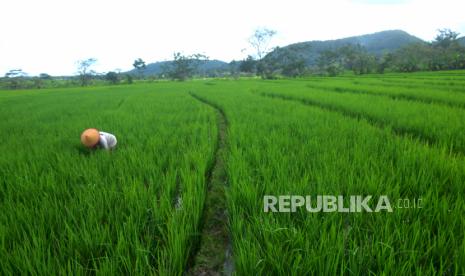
x,y
376,43
462,41
209,67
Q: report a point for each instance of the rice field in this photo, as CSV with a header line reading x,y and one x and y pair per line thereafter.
x,y
189,149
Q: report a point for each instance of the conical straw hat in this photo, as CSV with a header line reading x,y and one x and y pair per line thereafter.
x,y
90,137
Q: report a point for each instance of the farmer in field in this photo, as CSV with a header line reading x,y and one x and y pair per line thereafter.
x,y
93,138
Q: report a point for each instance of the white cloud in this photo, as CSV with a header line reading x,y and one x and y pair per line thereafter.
x,y
50,35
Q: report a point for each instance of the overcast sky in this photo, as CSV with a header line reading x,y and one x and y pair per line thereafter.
x,y
51,35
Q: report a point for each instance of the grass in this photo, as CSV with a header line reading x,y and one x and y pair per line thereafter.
x,y
66,209
421,93
435,123
349,157
141,209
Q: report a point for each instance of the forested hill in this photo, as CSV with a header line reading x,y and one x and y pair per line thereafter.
x,y
157,68
376,43
462,41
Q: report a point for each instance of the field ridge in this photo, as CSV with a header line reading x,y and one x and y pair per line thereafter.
x,y
213,253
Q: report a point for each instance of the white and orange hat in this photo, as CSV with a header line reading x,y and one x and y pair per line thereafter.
x,y
90,137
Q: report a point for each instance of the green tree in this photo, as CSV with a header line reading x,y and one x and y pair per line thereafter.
x,y
260,41
444,53
233,67
330,63
447,51
384,63
45,76
445,38
292,65
413,57
283,61
140,66
183,67
85,74
112,77
357,59
248,65
267,69
128,79
15,78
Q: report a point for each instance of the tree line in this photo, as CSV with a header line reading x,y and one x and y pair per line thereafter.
x,y
443,53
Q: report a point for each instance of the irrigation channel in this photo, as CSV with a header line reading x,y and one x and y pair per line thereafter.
x,y
213,253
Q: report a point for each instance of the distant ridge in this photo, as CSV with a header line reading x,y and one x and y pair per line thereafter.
x,y
462,40
156,68
376,43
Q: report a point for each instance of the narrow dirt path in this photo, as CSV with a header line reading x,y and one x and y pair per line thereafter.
x,y
213,255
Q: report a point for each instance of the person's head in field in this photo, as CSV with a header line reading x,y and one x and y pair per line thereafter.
x,y
90,137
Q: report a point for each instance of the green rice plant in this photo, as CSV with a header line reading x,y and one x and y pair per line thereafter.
x,y
138,209
280,147
446,85
424,93
437,124
69,210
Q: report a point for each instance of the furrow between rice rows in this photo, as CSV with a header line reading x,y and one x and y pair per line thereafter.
x,y
212,255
